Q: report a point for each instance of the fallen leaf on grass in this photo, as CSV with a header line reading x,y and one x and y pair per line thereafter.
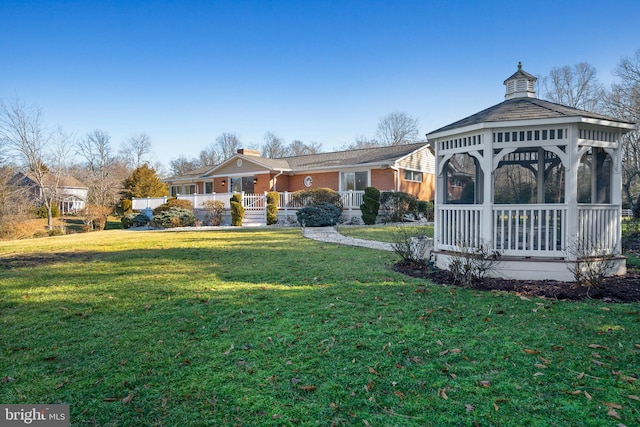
x,y
109,399
598,346
307,387
295,380
529,351
469,408
228,351
8,379
634,397
372,371
580,376
485,383
597,362
540,366
442,392
612,413
127,399
612,405
587,395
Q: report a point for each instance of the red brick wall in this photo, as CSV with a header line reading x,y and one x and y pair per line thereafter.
x,y
383,179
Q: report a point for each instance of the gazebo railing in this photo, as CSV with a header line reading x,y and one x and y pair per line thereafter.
x,y
530,229
598,226
459,225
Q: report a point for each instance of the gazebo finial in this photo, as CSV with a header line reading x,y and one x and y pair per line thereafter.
x,y
519,65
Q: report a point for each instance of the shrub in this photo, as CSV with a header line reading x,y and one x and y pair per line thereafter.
x,y
316,196
174,217
41,212
399,204
173,203
273,200
135,220
370,205
124,207
593,263
237,210
472,263
426,210
214,212
320,215
411,246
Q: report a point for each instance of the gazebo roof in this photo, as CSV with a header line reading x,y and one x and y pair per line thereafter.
x,y
524,109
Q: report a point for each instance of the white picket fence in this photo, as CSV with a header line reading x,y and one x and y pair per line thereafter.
x,y
254,204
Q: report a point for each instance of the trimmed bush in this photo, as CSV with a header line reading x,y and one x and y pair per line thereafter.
x,y
237,210
135,220
273,200
426,210
173,203
316,196
175,217
370,205
320,215
398,204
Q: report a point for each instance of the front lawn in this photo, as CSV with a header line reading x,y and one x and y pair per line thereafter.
x,y
263,327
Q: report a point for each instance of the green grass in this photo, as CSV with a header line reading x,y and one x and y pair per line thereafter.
x,y
384,233
263,327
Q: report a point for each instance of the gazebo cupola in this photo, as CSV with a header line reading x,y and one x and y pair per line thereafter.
x,y
520,84
537,182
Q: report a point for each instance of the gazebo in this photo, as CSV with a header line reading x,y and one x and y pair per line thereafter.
x,y
535,182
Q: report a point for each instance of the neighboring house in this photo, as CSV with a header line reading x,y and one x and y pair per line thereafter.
x,y
408,168
544,186
71,193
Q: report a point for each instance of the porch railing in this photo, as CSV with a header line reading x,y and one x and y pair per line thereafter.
x,y
351,200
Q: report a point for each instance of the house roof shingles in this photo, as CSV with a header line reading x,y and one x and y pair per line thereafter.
x,y
387,154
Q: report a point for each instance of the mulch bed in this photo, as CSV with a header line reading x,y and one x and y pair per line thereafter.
x,y
613,289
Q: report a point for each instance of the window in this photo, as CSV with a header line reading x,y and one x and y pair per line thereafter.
x,y
190,189
174,191
354,180
413,176
208,187
242,183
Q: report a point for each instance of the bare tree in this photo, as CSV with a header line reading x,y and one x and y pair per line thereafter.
x,y
227,145
397,128
41,154
274,146
624,102
135,150
101,167
182,165
209,156
575,86
299,148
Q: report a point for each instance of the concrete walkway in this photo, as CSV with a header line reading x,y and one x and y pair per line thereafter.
x,y
330,235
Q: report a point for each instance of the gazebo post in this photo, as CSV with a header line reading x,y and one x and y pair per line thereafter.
x,y
571,196
487,194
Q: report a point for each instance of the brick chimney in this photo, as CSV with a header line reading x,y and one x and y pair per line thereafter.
x,y
248,152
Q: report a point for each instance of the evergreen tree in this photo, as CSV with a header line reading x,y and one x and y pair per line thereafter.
x,y
144,182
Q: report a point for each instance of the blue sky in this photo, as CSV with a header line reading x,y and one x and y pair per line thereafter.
x,y
325,71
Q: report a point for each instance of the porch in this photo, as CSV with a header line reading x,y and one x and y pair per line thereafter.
x,y
254,205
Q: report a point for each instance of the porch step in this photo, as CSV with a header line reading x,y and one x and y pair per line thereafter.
x,y
254,217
